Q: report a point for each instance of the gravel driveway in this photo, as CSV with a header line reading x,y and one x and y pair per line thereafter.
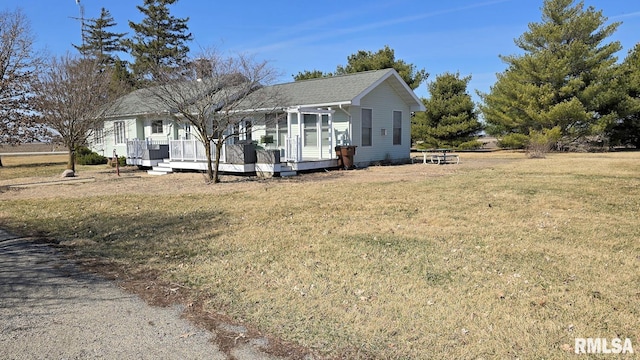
x,y
49,309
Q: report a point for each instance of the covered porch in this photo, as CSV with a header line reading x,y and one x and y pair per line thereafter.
x,y
310,135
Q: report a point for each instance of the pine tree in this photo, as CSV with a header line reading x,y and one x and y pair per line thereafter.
x,y
160,40
566,77
626,131
366,60
450,118
100,43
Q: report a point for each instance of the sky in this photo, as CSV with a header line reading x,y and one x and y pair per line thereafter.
x,y
454,36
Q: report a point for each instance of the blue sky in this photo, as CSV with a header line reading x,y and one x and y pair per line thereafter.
x,y
464,36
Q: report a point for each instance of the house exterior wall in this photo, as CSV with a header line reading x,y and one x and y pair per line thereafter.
x,y
383,101
170,129
134,128
341,129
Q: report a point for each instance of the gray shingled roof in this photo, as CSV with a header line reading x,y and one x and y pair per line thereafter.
x,y
137,102
343,89
146,101
330,90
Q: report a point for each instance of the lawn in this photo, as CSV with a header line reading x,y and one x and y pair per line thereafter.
x,y
498,257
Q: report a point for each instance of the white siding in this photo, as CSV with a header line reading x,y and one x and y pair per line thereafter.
x,y
383,100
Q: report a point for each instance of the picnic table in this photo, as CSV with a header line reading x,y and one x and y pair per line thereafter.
x,y
439,156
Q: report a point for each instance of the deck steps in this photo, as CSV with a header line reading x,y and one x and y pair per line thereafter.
x,y
163,168
286,171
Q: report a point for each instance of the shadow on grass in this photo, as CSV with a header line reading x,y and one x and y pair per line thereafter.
x,y
34,165
139,237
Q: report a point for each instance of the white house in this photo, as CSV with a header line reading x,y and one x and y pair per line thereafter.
x,y
367,111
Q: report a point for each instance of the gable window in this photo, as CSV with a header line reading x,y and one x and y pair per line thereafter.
x,y
156,127
118,132
367,125
397,128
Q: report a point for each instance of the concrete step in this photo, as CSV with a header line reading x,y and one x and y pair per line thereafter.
x,y
156,172
162,168
288,173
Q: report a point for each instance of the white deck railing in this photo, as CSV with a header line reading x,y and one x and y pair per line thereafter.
x,y
136,147
192,150
293,149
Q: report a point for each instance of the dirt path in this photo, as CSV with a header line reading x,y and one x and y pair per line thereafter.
x,y
49,309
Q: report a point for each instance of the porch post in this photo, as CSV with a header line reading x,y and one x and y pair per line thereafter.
x,y
331,134
319,134
300,135
287,140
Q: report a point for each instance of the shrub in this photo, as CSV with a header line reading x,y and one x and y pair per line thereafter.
x,y
266,139
84,156
514,141
470,145
540,142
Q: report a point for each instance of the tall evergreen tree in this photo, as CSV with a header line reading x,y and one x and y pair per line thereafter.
x,y
159,41
99,42
566,77
626,131
366,60
450,118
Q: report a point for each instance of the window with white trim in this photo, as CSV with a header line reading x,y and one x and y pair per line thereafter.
x,y
98,135
397,128
118,132
156,127
187,131
310,130
367,127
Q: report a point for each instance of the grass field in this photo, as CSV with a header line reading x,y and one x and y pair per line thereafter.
x,y
498,257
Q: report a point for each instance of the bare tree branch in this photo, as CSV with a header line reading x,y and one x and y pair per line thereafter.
x,y
19,67
72,96
215,95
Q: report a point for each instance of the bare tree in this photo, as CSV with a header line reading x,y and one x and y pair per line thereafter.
x,y
71,96
215,95
19,66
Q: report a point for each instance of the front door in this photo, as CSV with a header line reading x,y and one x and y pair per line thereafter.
x,y
325,138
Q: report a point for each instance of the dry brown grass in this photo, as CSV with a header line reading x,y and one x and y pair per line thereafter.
x,y
31,166
498,257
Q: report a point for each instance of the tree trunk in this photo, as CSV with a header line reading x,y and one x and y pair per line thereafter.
x,y
216,177
207,149
71,163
